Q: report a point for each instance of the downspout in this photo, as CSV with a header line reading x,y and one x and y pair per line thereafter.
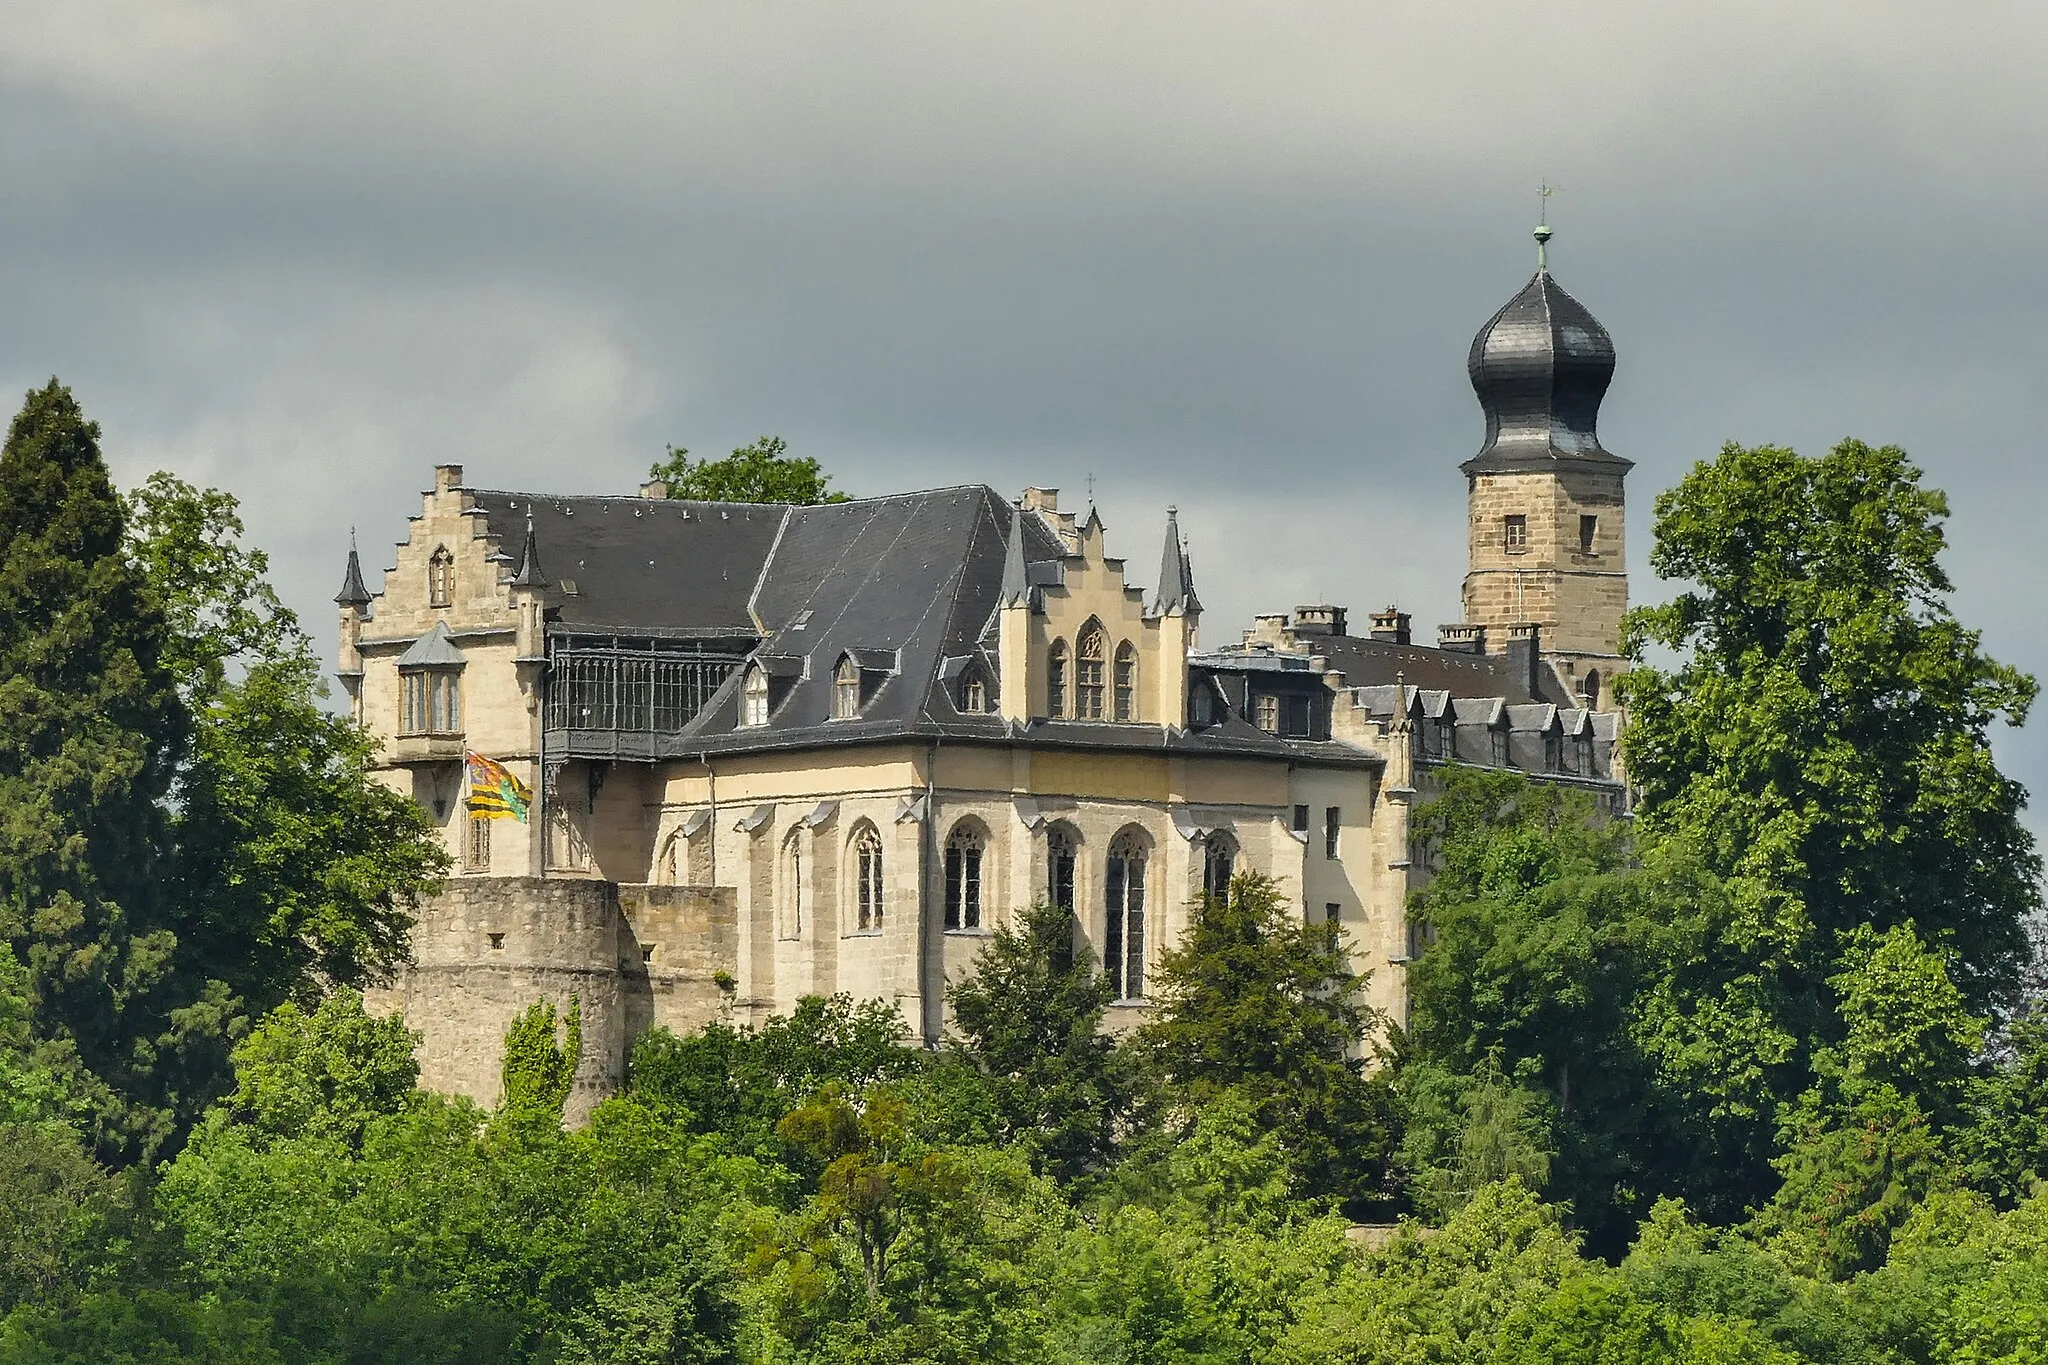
x,y
931,971
711,776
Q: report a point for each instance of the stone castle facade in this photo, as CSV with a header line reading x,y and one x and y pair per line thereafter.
x,y
777,751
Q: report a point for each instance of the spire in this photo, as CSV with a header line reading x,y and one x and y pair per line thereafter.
x,y
353,593
1016,586
1176,575
529,575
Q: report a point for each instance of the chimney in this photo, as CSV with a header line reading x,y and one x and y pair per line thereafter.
x,y
1040,500
1524,653
654,489
1319,619
1461,639
1391,626
447,477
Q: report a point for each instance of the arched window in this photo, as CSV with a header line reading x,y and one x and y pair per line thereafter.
x,y
1219,862
867,878
440,578
1589,690
1061,851
668,869
963,877
974,695
754,699
1126,682
1088,674
1123,937
793,885
1056,680
846,689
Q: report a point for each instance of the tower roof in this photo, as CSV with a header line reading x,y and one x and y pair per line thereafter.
x,y
529,575
353,593
1176,576
1540,367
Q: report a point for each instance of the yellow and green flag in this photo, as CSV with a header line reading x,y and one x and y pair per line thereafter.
x,y
494,793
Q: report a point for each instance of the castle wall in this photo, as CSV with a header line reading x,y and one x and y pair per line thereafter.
x,y
486,948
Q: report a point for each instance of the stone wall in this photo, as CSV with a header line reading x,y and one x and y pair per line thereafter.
x,y
488,947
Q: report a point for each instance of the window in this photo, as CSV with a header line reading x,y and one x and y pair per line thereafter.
x,y
1056,680
1123,940
846,689
1447,738
1060,850
1333,824
1515,533
867,878
1497,744
1088,675
1589,690
1300,820
974,696
963,878
497,942
1332,911
432,701
476,848
1584,744
1299,713
1219,861
441,578
754,699
1553,752
1199,704
1266,713
1589,526
1126,682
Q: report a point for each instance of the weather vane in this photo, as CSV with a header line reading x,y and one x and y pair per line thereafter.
x,y
1544,190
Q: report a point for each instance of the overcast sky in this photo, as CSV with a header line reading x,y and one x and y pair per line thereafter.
x,y
1228,256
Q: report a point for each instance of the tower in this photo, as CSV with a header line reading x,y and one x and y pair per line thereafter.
x,y
1543,496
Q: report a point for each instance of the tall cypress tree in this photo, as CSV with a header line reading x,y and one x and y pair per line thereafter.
x,y
91,730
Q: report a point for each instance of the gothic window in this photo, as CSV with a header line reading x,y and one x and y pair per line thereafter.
x,y
1123,938
432,699
1589,526
1126,682
1219,861
1589,690
440,578
754,699
476,849
1061,850
1056,680
1088,674
846,689
1515,533
666,868
1266,713
867,878
963,878
793,885
974,696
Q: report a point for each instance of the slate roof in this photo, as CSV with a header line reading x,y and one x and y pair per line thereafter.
x,y
1366,662
1540,367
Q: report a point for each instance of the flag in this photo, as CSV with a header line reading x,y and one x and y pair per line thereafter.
x,y
494,793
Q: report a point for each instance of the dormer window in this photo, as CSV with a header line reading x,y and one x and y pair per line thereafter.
x,y
754,699
1266,712
441,578
846,689
974,696
433,701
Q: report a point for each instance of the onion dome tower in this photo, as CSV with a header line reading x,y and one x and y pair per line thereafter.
x,y
1546,555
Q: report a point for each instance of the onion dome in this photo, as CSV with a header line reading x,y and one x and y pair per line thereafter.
x,y
1540,367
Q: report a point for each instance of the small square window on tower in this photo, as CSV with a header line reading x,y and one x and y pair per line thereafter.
x,y
1515,533
1589,527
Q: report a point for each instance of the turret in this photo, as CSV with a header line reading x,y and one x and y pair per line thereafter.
x,y
354,602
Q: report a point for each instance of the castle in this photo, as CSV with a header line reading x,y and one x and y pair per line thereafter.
x,y
750,752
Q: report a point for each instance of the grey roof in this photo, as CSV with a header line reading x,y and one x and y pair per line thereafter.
x,y
353,593
1176,577
1366,662
1540,367
435,649
529,575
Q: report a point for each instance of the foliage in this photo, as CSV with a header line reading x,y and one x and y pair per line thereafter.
x,y
1029,1017
538,1072
1824,739
1256,1000
762,472
324,1074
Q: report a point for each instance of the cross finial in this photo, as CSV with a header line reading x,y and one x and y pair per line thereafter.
x,y
1544,190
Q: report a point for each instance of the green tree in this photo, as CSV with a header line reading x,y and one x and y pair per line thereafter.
x,y
762,472
1029,1017
1824,738
1257,1000
292,870
327,1073
93,736
2002,1148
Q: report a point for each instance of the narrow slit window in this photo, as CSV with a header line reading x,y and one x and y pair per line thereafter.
x,y
1126,682
1056,680
1589,527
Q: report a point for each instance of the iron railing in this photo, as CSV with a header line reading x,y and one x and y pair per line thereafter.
x,y
636,690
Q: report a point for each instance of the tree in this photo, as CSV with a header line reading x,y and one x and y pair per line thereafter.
x,y
761,472
292,871
93,736
1257,1000
538,1072
325,1073
1823,740
1029,1016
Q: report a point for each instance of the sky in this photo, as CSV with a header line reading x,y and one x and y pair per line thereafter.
x,y
1220,255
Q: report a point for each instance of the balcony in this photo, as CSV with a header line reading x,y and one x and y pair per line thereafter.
x,y
619,702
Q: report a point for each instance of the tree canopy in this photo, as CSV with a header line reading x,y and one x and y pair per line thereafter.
x,y
762,472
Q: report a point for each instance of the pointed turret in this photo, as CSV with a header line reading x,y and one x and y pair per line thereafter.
x,y
353,593
1176,575
1016,585
529,575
